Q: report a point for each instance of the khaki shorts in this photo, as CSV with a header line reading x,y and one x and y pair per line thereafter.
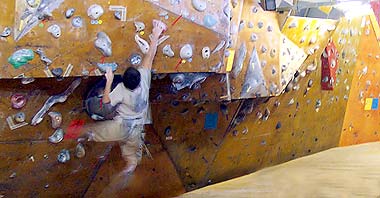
x,y
129,138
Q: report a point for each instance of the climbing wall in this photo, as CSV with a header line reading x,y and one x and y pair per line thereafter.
x,y
29,163
75,44
264,59
302,121
199,137
361,121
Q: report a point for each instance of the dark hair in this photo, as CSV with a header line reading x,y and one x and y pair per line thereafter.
x,y
131,78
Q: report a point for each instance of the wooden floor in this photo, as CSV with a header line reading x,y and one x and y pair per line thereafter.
x,y
340,172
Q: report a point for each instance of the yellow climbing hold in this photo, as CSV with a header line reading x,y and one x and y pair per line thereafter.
x,y
142,33
183,61
100,22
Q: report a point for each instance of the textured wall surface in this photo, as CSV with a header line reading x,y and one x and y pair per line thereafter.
x,y
361,124
198,137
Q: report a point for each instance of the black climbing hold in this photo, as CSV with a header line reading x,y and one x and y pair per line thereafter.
x,y
278,125
201,110
192,149
57,72
224,109
175,103
168,131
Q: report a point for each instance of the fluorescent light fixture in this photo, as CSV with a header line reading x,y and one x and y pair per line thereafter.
x,y
353,8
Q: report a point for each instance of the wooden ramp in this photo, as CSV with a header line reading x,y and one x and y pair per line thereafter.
x,y
340,172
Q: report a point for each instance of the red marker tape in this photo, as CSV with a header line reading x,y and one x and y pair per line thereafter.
x,y
179,63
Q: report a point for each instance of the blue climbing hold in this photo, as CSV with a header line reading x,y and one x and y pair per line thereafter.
x,y
209,21
103,66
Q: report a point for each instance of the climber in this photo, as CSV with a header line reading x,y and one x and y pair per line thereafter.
x,y
131,99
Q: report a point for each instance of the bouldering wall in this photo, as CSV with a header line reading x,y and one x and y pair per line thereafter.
x,y
29,165
290,81
302,121
361,121
73,49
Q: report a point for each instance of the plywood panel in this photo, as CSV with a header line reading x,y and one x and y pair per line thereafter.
x,y
28,154
191,147
297,124
76,47
257,29
362,125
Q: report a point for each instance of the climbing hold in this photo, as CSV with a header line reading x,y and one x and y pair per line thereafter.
x,y
57,72
54,30
140,26
244,131
135,59
310,83
270,28
266,114
277,103
278,125
254,9
292,25
250,24
239,60
167,50
57,136
21,57
199,5
260,24
273,53
77,22
56,119
186,52
104,44
69,13
103,66
18,101
117,15
253,37
291,101
19,117
209,21
80,152
63,156
6,32
313,40
241,25
13,175
167,131
26,81
263,49
95,11
318,104
143,44
43,57
206,53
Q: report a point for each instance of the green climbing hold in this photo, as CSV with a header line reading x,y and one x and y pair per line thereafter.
x,y
21,57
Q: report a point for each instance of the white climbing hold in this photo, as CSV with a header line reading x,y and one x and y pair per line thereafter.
x,y
95,11
143,44
140,26
206,53
186,51
54,30
167,50
199,5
